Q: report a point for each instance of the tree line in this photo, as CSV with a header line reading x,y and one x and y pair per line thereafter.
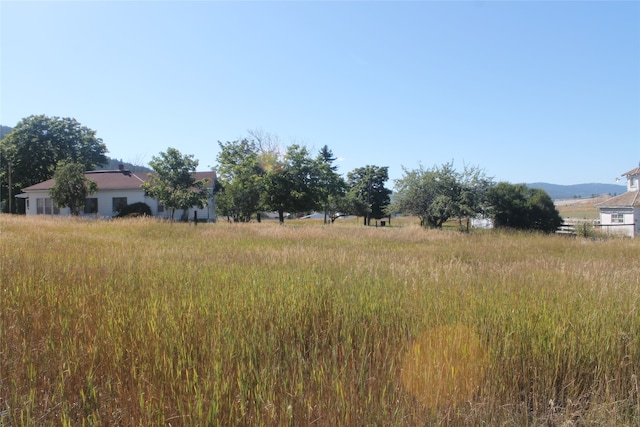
x,y
256,174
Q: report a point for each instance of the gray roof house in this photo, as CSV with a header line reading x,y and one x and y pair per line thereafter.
x,y
621,214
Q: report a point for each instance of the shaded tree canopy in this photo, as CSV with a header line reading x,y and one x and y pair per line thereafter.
x,y
257,175
367,195
240,173
38,143
174,183
71,187
520,207
435,195
290,185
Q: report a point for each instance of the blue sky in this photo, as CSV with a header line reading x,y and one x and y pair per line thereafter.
x,y
529,91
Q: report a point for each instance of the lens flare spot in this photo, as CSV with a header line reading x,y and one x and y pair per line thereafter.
x,y
445,366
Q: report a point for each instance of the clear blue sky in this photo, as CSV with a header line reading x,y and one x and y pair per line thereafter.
x,y
529,91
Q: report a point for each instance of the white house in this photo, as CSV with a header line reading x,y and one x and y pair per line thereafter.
x,y
116,189
621,214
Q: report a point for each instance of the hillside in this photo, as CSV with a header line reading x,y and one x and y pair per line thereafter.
x,y
114,164
4,131
578,190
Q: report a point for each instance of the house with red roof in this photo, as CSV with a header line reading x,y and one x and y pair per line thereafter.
x,y
621,214
116,189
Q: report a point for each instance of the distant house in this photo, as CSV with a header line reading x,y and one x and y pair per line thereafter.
x,y
116,189
621,214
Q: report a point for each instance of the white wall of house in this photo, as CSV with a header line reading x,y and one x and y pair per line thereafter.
x,y
104,199
44,206
208,213
621,221
105,205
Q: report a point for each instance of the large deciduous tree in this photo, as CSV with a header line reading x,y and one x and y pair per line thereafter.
x,y
71,187
38,143
520,207
429,194
435,195
367,194
240,173
174,183
290,184
474,185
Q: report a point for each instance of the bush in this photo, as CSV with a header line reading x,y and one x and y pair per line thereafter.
x,y
135,209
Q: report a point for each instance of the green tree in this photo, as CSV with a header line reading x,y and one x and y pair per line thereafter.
x,y
173,183
290,184
331,186
240,172
435,195
520,207
71,187
38,143
474,185
428,194
367,195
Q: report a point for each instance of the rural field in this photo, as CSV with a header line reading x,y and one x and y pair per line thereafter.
x,y
581,209
140,322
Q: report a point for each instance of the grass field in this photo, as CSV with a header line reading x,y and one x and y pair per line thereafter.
x,y
140,322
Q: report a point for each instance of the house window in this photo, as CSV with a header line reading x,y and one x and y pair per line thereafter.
x,y
91,205
45,206
617,218
119,203
160,208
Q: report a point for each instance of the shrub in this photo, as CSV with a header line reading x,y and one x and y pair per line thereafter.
x,y
135,209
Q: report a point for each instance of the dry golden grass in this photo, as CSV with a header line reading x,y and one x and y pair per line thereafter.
x,y
141,322
581,208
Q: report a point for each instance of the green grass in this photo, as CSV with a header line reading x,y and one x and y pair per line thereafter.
x,y
140,322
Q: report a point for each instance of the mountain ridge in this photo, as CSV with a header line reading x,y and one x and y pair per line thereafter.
x,y
578,191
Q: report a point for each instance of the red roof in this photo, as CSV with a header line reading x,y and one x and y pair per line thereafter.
x,y
635,171
116,180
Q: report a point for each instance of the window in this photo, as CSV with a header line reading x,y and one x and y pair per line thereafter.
x,y
617,218
45,206
160,208
119,203
91,205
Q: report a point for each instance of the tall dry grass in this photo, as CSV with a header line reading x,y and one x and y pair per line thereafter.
x,y
146,323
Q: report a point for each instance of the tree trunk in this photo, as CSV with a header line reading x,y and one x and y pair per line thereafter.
x,y
281,216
